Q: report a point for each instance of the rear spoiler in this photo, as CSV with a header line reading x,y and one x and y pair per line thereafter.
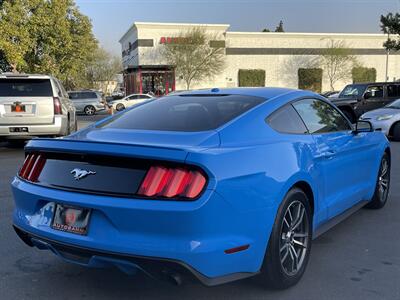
x,y
102,148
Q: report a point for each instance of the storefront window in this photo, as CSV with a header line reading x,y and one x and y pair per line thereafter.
x,y
158,82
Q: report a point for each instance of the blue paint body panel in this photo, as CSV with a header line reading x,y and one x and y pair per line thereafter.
x,y
250,168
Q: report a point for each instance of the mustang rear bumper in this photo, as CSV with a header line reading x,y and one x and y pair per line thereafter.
x,y
192,235
158,268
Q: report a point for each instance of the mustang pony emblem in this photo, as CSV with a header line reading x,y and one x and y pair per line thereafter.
x,y
79,174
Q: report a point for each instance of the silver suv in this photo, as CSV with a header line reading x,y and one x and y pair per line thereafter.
x,y
34,105
87,102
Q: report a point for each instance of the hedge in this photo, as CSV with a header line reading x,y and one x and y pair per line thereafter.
x,y
361,74
251,77
310,79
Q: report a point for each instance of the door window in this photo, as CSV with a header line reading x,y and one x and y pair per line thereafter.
x,y
286,120
374,92
321,117
393,91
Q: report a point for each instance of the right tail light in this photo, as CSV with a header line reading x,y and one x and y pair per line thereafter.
x,y
167,182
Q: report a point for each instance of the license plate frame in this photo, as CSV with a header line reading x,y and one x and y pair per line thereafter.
x,y
71,219
18,129
18,108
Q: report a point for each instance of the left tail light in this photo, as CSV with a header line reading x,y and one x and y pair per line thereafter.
x,y
32,167
167,182
57,106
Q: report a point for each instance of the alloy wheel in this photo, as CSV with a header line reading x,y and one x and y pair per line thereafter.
x,y
294,238
89,110
383,180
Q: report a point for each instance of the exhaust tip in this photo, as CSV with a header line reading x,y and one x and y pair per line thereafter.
x,y
172,277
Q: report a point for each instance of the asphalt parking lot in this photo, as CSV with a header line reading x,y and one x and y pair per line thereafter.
x,y
358,259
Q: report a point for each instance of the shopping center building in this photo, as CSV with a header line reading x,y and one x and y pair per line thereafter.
x,y
280,55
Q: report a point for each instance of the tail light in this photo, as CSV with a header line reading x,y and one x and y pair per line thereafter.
x,y
57,106
32,167
165,182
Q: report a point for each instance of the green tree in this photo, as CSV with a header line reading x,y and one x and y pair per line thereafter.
x,y
46,36
362,74
102,67
279,28
390,24
251,78
310,79
266,30
193,56
337,61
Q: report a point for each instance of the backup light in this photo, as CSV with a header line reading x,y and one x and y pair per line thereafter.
x,y
165,182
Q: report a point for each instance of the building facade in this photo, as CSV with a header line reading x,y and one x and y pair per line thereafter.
x,y
281,55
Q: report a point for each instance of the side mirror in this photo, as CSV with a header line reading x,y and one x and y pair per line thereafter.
x,y
367,95
363,126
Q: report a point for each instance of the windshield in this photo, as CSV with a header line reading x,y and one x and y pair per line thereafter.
x,y
184,113
25,87
394,104
353,91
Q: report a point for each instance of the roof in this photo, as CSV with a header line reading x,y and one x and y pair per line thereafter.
x,y
172,25
264,92
22,75
306,34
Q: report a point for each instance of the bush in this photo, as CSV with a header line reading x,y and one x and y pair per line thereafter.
x,y
251,78
361,74
310,79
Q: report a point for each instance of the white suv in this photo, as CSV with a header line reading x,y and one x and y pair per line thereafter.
x,y
34,105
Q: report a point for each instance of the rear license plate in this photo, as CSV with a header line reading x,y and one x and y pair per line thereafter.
x,y
71,219
18,108
19,129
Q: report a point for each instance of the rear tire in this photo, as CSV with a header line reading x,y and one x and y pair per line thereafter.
x,y
396,132
382,185
89,110
289,245
120,107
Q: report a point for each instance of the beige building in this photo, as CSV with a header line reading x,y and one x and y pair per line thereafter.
x,y
279,54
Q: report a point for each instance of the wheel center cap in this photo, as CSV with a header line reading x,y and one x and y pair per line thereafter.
x,y
290,236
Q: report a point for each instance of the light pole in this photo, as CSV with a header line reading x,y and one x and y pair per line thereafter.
x,y
387,56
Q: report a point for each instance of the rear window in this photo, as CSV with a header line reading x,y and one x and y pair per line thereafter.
x,y
25,87
184,113
82,95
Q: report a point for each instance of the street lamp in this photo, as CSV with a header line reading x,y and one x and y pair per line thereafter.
x,y
387,55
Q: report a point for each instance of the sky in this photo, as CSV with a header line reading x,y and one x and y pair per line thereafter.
x,y
111,19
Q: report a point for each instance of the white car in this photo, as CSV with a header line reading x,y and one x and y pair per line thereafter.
x,y
130,100
34,105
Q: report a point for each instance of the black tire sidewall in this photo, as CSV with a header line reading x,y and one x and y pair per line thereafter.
x,y
376,202
396,132
272,268
120,107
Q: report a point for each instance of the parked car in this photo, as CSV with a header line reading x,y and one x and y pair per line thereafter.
x,y
330,94
87,102
386,119
118,94
356,99
222,184
130,100
34,105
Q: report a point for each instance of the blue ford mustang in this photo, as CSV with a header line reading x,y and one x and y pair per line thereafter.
x,y
221,184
